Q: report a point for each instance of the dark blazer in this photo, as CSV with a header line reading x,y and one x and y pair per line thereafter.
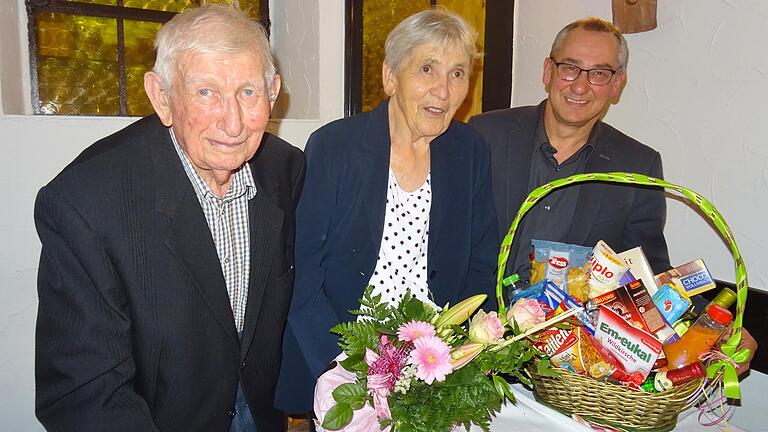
x,y
135,329
339,225
623,216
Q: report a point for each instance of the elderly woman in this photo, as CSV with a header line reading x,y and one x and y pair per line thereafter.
x,y
398,198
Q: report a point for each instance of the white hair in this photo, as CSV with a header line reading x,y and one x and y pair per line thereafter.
x,y
210,29
434,26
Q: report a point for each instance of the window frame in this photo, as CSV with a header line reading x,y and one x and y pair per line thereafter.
x,y
118,12
497,65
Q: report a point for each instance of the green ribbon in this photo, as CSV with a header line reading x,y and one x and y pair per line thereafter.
x,y
706,209
730,378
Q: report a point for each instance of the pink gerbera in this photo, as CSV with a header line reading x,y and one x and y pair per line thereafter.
x,y
413,330
432,358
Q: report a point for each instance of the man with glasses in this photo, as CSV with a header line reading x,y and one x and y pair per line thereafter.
x,y
562,136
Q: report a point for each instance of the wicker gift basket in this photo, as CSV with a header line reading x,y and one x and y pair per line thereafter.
x,y
615,406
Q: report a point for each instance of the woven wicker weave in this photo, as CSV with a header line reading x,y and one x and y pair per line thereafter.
x,y
603,403
612,405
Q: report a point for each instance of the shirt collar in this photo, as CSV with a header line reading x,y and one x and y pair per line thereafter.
x,y
242,179
540,137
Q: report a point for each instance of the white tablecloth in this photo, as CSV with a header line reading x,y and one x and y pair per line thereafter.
x,y
529,415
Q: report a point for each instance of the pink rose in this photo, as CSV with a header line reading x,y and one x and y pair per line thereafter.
x,y
527,313
485,327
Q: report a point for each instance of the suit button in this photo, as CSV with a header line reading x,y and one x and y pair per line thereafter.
x,y
432,274
242,365
232,413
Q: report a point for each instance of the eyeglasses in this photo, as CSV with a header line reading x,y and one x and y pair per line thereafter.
x,y
571,72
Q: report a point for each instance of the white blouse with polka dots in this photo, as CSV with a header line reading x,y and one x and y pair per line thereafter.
x,y
402,261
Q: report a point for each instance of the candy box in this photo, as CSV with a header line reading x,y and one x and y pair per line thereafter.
x,y
690,279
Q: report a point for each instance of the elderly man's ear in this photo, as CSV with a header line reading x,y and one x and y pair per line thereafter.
x,y
274,90
159,97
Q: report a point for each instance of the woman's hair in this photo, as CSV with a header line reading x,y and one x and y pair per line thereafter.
x,y
210,29
435,26
594,24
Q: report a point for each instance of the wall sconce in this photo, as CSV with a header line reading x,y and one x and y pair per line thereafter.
x,y
634,16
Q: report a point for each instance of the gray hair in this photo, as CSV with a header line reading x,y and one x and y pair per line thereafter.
x,y
210,29
435,26
594,24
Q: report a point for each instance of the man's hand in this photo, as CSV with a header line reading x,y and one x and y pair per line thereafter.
x,y
747,342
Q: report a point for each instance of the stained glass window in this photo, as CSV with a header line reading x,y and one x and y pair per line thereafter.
x,y
88,57
378,18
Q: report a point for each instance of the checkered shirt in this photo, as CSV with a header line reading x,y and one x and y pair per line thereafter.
x,y
227,219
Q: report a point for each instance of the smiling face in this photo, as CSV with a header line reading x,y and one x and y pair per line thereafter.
x,y
578,103
218,108
426,90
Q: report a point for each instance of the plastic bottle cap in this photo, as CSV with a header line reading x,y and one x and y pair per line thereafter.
x,y
720,314
511,280
725,298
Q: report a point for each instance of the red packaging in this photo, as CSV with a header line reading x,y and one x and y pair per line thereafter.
x,y
631,350
665,380
633,303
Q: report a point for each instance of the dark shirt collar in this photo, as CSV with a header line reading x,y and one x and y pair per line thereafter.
x,y
540,139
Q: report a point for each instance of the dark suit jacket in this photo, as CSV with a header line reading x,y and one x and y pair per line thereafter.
x,y
135,329
621,215
339,225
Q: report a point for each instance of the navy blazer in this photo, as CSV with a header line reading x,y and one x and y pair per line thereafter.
x,y
624,216
339,226
134,328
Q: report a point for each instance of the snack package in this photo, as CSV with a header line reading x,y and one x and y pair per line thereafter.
x,y
549,296
554,301
631,350
605,270
566,265
633,303
573,350
671,303
690,279
639,268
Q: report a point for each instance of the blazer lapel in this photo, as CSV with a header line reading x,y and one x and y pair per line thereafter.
x,y
189,237
373,171
443,165
518,160
265,221
591,195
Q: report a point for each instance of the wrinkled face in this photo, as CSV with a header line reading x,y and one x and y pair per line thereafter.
x,y
579,103
427,89
218,107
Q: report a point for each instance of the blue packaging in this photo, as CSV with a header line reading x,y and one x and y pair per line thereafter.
x,y
670,303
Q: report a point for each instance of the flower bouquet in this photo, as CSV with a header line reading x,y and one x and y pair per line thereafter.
x,y
414,367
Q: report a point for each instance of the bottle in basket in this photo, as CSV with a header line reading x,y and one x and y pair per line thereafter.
x,y
700,338
666,379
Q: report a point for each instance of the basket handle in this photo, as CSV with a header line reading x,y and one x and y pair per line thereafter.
x,y
706,207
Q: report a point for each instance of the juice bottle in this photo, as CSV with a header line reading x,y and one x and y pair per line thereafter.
x,y
700,338
725,298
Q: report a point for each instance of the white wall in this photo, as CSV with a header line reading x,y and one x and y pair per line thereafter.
x,y
697,90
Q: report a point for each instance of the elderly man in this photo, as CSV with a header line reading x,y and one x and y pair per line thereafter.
x,y
167,248
564,135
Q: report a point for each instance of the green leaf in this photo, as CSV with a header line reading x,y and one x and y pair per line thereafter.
x,y
414,307
500,382
463,376
386,331
545,368
337,417
353,363
349,393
